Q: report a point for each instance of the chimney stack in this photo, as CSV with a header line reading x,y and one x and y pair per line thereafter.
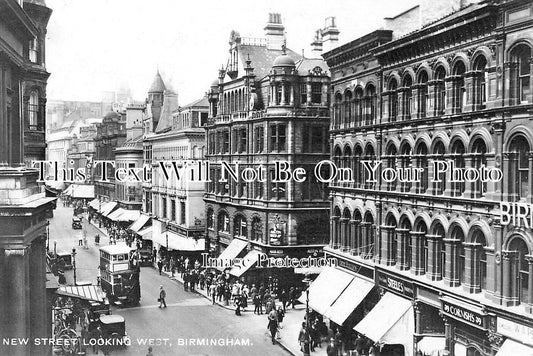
x,y
330,34
274,32
316,45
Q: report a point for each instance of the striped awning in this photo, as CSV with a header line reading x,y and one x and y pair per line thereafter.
x,y
139,223
108,207
90,293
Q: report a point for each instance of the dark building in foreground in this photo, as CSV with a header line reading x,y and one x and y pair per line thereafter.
x,y
458,89
24,209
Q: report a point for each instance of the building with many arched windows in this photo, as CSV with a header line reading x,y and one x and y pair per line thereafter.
x,y
454,94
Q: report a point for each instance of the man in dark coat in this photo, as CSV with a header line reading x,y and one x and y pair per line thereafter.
x,y
162,296
273,325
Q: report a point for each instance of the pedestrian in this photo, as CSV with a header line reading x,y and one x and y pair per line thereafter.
x,y
273,325
96,336
80,240
332,348
292,296
162,296
283,298
238,307
281,315
213,291
160,266
97,239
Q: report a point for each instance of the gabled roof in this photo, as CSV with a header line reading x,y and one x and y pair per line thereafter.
x,y
200,102
305,65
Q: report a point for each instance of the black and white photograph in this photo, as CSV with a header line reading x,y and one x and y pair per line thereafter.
x,y
267,178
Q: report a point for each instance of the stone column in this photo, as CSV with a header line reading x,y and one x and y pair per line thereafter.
x,y
401,112
344,234
291,95
283,92
470,187
416,90
510,278
452,261
433,264
17,293
450,97
431,107
354,235
335,232
417,252
4,139
510,75
37,281
472,284
385,98
402,249
387,241
510,179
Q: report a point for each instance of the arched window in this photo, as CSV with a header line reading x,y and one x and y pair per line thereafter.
x,y
347,161
405,154
240,227
210,218
357,244
457,234
458,151
370,235
481,258
458,87
223,222
358,170
422,249
439,184
440,90
390,221
519,245
359,107
337,111
393,99
479,94
337,158
257,229
406,225
438,230
33,111
519,167
422,96
369,156
422,182
370,100
521,74
335,227
479,151
348,119
392,153
407,97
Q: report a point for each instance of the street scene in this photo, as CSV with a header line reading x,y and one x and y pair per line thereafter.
x,y
266,178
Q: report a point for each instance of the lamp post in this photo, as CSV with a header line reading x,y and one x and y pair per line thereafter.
x,y
307,342
48,236
100,210
74,263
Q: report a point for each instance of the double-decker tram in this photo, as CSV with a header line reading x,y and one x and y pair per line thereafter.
x,y
119,274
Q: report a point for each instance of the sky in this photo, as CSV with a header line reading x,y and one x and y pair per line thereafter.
x,y
104,45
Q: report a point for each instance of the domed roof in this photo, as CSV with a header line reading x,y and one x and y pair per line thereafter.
x,y
284,61
158,86
112,115
215,83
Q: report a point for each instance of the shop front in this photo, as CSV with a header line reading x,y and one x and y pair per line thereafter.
x,y
390,324
466,327
514,337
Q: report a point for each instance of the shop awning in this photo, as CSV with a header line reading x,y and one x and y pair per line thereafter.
x,y
432,345
83,191
69,190
247,262
326,288
232,251
129,215
181,243
346,303
139,223
391,321
115,215
54,184
108,207
90,293
513,348
146,233
95,204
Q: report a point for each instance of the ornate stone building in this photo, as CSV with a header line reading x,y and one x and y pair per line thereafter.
x,y
269,104
456,91
24,209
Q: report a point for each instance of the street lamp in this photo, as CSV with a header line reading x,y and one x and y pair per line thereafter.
x,y
48,236
74,263
307,342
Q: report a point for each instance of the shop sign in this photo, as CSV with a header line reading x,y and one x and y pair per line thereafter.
x,y
275,237
276,252
463,313
396,284
514,330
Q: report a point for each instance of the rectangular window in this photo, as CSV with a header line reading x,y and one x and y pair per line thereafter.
x,y
241,140
225,144
183,213
164,204
278,139
316,93
173,210
259,139
303,94
524,78
278,190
